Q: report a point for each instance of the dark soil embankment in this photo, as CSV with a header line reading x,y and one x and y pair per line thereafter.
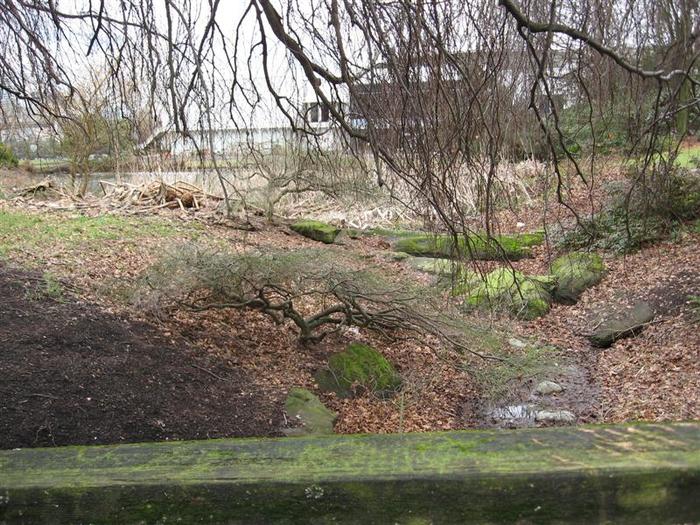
x,y
72,374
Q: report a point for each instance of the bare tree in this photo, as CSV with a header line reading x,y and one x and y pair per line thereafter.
x,y
437,92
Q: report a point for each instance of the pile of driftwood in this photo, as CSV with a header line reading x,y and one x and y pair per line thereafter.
x,y
156,194
125,197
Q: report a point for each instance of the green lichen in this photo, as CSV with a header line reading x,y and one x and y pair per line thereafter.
x,y
575,273
646,495
508,289
316,230
359,366
398,256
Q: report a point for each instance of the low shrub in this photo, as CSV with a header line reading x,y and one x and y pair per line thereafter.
x,y
315,290
7,157
638,215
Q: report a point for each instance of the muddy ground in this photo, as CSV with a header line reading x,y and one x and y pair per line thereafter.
x,y
72,374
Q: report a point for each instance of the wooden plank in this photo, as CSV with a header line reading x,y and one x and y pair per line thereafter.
x,y
641,473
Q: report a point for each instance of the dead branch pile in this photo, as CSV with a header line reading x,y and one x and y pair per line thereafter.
x,y
43,186
157,194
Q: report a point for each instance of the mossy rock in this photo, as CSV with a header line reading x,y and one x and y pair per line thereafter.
x,y
512,247
398,256
622,324
457,277
465,282
358,366
316,230
315,418
574,273
504,288
434,266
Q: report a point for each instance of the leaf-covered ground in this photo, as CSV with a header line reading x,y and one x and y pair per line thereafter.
x,y
655,375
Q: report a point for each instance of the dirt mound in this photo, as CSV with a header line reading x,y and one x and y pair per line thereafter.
x,y
72,374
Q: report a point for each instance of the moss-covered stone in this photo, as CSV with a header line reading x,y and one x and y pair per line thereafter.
x,y
512,247
574,273
304,407
358,366
316,230
505,288
398,256
457,277
622,324
432,265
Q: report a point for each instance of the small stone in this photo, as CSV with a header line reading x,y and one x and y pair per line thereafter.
x,y
548,387
555,416
516,343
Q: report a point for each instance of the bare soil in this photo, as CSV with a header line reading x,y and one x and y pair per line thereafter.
x,y
73,374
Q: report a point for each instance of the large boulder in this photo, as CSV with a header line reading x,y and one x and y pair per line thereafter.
x,y
623,323
470,246
304,407
316,230
574,273
358,366
505,288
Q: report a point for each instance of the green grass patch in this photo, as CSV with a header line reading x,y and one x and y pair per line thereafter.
x,y
689,157
49,287
21,231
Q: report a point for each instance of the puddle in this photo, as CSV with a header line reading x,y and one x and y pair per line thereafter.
x,y
513,416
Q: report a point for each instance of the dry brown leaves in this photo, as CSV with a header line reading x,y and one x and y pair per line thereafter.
x,y
655,375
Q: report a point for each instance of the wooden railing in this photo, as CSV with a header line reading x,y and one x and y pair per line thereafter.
x,y
637,473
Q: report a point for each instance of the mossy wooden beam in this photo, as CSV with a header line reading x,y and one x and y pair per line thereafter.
x,y
641,473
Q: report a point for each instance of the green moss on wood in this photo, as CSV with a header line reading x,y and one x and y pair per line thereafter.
x,y
634,473
316,230
359,366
